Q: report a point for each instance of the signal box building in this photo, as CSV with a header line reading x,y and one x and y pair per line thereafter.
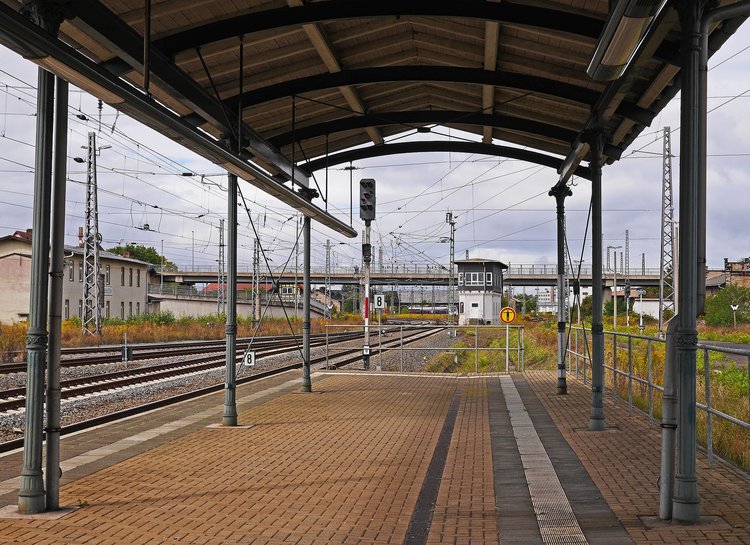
x,y
480,289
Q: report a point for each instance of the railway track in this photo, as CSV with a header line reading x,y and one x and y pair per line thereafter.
x,y
113,353
109,381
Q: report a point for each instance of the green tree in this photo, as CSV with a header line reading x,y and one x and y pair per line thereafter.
x,y
719,306
144,253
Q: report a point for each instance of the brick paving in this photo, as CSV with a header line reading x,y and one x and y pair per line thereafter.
x,y
346,465
624,464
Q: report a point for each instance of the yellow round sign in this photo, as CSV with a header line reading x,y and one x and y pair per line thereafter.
x,y
507,315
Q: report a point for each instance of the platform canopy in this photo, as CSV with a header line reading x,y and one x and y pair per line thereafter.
x,y
311,79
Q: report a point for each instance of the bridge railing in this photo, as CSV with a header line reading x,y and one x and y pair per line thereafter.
x,y
437,270
634,366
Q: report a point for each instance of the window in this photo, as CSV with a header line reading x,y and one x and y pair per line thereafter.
x,y
138,278
67,309
488,280
80,308
122,276
137,309
106,275
71,270
122,309
106,311
80,271
474,280
475,305
461,307
130,277
460,279
130,309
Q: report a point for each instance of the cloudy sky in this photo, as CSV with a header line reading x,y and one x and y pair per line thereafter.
x,y
501,206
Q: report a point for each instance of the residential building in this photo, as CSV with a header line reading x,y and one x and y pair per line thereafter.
x,y
125,281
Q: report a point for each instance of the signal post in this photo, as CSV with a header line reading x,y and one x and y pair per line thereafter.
x,y
367,214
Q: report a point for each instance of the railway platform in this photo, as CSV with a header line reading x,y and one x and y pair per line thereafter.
x,y
375,458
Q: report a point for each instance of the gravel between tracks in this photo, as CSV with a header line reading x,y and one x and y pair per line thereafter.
x,y
75,410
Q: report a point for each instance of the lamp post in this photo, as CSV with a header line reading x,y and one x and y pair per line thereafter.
x,y
614,283
641,293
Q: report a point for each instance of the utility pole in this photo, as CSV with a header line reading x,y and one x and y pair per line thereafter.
x,y
666,262
296,268
328,280
93,290
256,280
221,289
451,303
626,272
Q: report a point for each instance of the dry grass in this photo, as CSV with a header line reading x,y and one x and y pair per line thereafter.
x,y
13,337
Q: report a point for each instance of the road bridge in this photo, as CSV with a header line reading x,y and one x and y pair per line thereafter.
x,y
415,275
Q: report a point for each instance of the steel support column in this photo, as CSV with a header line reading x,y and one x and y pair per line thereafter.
x,y
31,490
306,381
686,501
596,140
230,402
57,263
559,192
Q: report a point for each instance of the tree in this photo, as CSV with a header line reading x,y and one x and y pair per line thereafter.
x,y
719,307
144,253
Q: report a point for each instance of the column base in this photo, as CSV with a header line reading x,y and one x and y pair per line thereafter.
x,y
686,503
31,498
596,420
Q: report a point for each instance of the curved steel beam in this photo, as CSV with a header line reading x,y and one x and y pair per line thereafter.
x,y
426,147
479,76
505,12
418,118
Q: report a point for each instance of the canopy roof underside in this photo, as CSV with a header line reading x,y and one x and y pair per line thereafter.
x,y
328,75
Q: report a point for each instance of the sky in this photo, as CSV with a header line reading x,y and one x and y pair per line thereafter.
x,y
501,206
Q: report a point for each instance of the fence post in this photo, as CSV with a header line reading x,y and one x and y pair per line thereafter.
x,y
326,346
518,351
402,349
585,351
476,350
576,349
630,374
523,350
707,389
650,385
614,368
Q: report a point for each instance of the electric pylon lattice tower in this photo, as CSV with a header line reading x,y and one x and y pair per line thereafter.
x,y
221,293
93,287
666,264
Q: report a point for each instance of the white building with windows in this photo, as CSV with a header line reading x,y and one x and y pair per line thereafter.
x,y
480,290
125,281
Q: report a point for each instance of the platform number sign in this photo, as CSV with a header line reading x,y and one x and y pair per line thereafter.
x,y
378,301
507,315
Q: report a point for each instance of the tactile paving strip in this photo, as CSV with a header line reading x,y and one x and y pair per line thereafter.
x,y
557,523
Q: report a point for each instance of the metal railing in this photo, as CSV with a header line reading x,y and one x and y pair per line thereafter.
x,y
639,348
514,348
435,270
181,291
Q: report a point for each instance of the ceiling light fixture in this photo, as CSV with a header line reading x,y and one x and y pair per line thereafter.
x,y
626,25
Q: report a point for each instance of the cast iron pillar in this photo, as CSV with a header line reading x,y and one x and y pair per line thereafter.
x,y
31,490
559,192
306,380
686,501
230,394
595,141
57,263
